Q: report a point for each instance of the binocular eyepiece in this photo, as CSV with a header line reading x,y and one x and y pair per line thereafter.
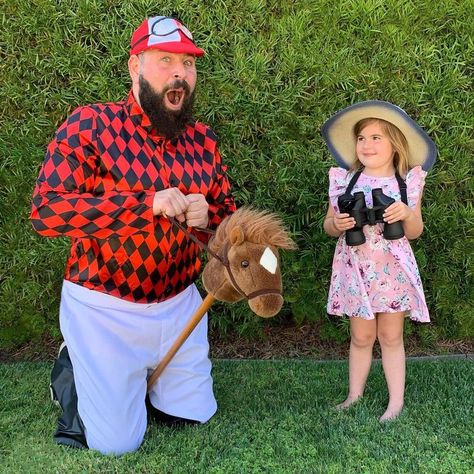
x,y
356,207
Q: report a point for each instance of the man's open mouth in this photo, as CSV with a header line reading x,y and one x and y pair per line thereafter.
x,y
175,96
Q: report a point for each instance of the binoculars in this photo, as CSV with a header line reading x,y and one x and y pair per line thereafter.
x,y
355,206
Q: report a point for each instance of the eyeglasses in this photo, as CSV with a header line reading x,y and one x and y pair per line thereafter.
x,y
165,30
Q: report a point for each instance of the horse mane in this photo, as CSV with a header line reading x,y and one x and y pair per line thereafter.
x,y
259,227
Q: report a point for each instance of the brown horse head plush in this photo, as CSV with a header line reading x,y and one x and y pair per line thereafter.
x,y
244,261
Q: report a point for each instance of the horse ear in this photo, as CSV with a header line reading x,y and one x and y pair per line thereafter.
x,y
236,236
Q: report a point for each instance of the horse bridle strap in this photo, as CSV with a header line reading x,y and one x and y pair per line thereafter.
x,y
264,291
223,260
199,243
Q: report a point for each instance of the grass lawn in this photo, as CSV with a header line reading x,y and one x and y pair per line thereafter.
x,y
274,416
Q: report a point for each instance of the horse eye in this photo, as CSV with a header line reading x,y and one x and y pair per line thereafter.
x,y
244,263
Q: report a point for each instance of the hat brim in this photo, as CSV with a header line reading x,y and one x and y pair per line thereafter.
x,y
171,47
338,132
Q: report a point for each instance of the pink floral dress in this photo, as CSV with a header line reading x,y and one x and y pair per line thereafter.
x,y
379,276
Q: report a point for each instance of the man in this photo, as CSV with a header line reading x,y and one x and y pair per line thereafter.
x,y
111,177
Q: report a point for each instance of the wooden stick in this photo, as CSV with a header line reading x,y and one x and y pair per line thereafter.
x,y
192,323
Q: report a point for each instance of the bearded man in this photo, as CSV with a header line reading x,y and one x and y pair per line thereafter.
x,y
112,176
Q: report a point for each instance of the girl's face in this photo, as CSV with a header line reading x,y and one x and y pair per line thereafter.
x,y
374,149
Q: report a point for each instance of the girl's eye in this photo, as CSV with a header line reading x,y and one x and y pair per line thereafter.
x,y
244,263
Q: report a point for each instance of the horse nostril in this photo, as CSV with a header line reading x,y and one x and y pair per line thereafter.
x,y
244,263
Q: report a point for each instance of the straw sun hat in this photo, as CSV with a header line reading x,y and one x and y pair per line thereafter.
x,y
338,132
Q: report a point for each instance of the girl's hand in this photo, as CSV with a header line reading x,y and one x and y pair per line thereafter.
x,y
398,211
343,222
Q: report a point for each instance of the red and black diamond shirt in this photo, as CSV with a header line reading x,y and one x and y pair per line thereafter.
x,y
97,184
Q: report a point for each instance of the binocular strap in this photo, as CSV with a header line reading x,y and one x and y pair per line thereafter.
x,y
401,184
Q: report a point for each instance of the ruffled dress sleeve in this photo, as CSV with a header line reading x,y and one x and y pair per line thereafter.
x,y
338,180
415,183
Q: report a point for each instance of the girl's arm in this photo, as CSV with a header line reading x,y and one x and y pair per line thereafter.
x,y
335,224
411,218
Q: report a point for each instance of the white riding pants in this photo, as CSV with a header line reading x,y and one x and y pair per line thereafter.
x,y
115,344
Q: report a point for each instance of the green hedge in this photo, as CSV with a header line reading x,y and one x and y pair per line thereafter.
x,y
273,73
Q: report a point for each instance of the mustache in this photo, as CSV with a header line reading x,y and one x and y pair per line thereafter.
x,y
178,84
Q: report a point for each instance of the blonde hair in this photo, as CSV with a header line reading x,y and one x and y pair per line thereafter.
x,y
396,138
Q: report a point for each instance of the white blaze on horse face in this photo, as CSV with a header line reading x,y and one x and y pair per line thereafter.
x,y
269,261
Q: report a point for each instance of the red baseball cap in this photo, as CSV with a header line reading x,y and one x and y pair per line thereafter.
x,y
165,34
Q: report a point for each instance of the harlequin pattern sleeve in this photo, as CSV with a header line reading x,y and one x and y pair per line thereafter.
x,y
65,201
221,202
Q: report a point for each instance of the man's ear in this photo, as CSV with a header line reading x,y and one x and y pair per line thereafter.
x,y
134,68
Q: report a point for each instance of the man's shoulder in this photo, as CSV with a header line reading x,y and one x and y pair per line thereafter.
x,y
202,128
101,107
85,117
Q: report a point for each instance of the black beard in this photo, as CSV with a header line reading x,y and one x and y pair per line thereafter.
x,y
168,123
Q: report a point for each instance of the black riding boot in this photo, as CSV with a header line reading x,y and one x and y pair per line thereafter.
x,y
70,430
163,418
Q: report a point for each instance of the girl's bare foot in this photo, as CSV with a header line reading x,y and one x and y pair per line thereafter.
x,y
391,413
347,402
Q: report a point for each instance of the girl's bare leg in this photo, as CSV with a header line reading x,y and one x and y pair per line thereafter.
x,y
363,334
390,336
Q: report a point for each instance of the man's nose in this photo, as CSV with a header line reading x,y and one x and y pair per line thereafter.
x,y
179,71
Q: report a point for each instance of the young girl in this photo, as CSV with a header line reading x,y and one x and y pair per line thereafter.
x,y
376,282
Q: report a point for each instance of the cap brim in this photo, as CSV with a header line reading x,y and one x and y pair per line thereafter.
x,y
338,132
178,48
